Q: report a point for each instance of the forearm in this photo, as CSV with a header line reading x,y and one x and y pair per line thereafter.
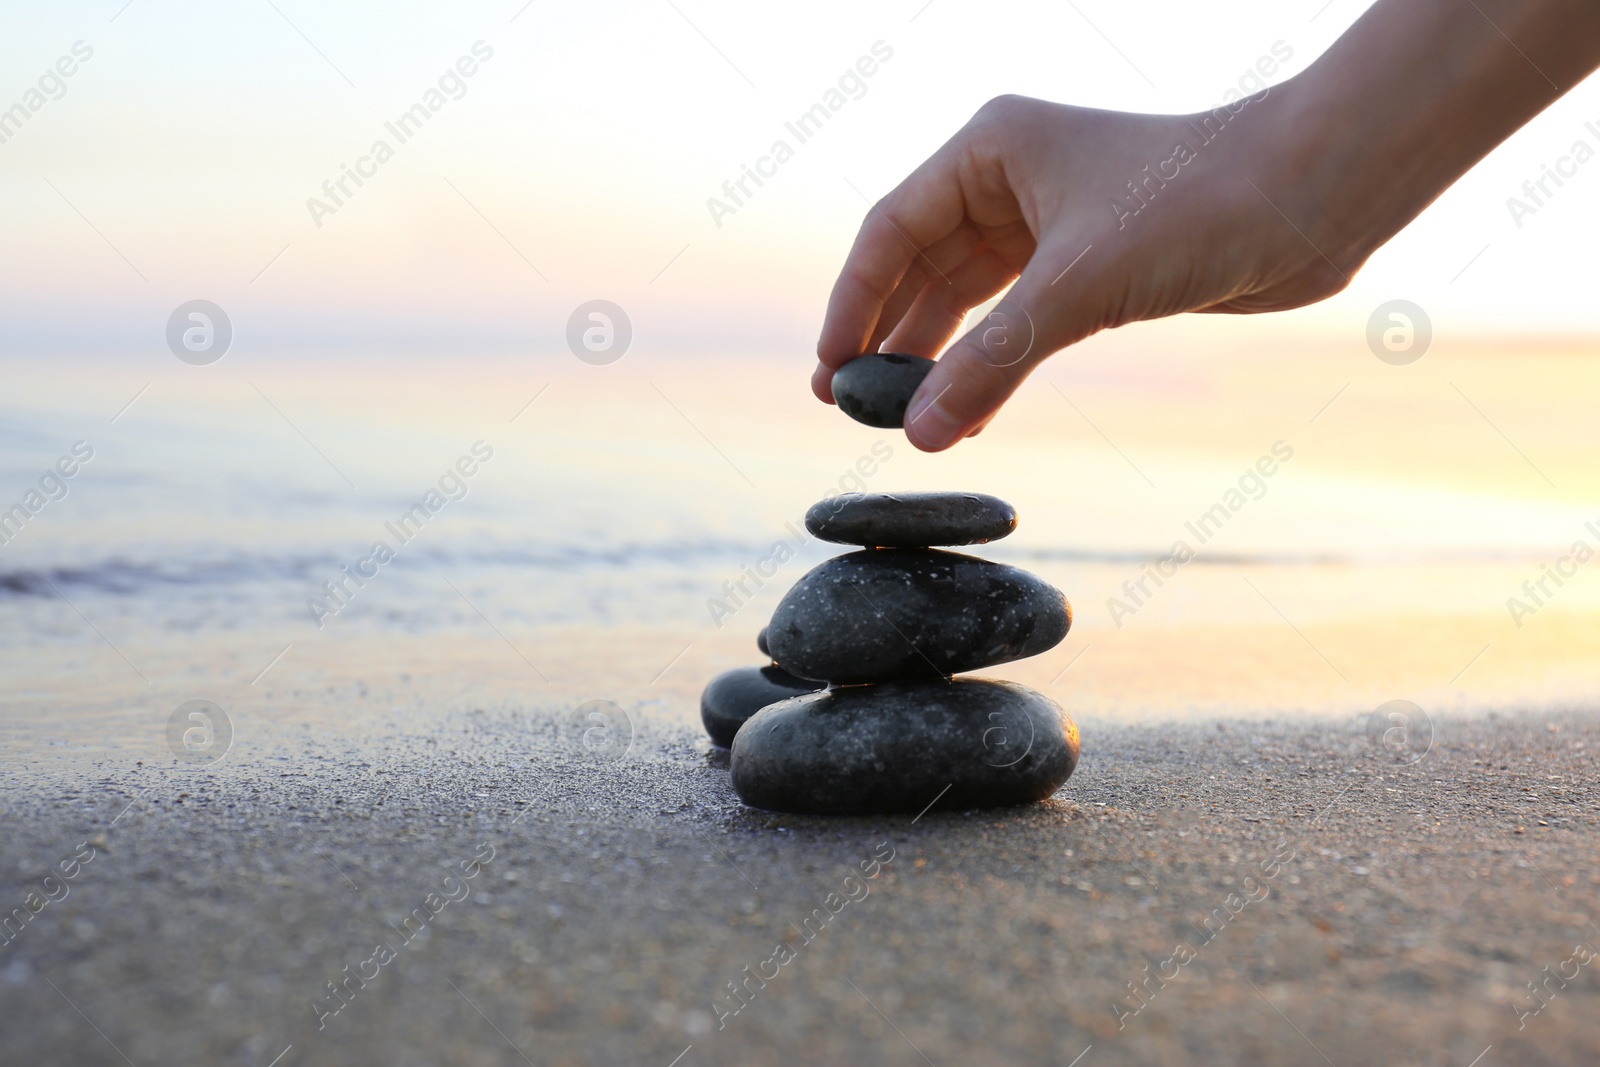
x,y
1408,100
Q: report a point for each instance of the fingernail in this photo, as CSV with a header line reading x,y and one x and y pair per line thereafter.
x,y
928,425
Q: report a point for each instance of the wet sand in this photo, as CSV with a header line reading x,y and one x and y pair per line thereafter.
x,y
1246,892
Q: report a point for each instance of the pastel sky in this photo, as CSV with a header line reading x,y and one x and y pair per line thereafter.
x,y
578,160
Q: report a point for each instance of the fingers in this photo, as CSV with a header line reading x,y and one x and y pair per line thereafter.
x,y
822,383
935,266
934,314
921,211
945,267
981,370
939,309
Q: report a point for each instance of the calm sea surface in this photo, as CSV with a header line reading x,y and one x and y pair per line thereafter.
x,y
578,532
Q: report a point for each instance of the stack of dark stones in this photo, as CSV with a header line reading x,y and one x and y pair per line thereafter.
x,y
886,629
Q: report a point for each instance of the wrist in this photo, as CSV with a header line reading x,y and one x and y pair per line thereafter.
x,y
1366,138
1339,174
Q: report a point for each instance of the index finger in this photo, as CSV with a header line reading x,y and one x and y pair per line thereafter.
x,y
921,210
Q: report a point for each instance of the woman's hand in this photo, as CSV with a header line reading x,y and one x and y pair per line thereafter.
x,y
1267,203
1099,218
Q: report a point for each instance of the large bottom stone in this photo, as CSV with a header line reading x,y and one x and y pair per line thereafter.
x,y
733,696
900,746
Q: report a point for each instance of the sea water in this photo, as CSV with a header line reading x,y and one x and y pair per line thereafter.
x,y
316,539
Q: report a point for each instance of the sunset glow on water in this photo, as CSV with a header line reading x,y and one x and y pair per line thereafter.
x,y
614,537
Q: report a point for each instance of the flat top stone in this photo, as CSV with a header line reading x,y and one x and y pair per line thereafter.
x,y
911,520
876,388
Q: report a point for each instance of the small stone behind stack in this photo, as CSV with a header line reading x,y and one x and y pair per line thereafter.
x,y
733,696
886,628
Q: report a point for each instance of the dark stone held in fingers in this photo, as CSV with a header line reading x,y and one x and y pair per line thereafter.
x,y
876,388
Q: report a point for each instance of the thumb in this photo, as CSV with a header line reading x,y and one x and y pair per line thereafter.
x,y
982,369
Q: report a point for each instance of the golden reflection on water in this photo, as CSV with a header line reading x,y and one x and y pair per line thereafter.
x,y
1375,564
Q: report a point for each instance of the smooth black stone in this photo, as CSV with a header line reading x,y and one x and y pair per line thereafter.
x,y
911,520
733,696
879,749
876,388
761,643
895,614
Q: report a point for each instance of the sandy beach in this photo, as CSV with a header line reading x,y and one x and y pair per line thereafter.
x,y
492,890
419,850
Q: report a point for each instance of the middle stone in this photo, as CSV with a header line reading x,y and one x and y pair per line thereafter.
x,y
894,614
